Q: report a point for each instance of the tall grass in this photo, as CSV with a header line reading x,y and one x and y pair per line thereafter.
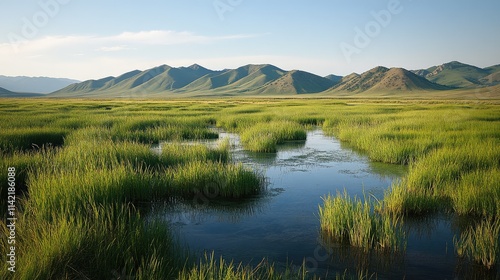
x,y
177,153
264,137
214,179
156,129
100,162
104,241
30,138
350,220
463,179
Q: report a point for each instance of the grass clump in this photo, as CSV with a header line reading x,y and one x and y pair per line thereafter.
x,y
264,137
214,179
26,138
462,178
349,220
178,153
481,243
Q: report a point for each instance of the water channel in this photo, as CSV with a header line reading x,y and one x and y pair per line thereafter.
x,y
282,224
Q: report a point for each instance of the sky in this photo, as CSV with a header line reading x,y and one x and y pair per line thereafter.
x,y
92,39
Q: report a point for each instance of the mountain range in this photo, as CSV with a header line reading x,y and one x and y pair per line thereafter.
x,y
266,79
460,75
34,84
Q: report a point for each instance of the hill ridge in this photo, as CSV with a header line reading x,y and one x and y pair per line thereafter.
x,y
269,79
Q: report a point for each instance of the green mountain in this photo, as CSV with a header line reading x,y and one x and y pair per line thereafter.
x,y
196,80
297,82
154,80
363,82
334,78
399,79
381,79
460,75
242,79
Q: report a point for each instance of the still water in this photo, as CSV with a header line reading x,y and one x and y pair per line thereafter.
x,y
282,224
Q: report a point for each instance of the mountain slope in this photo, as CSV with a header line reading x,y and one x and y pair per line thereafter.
x,y
158,79
34,84
399,79
363,82
297,82
334,78
460,75
196,80
7,93
242,79
381,79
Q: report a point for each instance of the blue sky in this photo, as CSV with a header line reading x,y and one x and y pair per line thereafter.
x,y
90,39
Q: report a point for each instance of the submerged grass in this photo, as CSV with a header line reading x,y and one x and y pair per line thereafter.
x,y
481,243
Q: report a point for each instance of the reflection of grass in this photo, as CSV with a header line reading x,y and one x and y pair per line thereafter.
x,y
350,220
481,243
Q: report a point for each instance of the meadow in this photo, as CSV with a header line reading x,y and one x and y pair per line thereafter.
x,y
85,169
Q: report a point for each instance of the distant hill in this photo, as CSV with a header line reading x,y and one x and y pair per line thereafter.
x,y
254,79
242,79
334,78
34,84
5,92
381,79
8,93
197,80
460,75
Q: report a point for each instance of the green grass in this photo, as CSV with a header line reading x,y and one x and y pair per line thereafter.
x,y
31,138
177,153
213,179
349,220
91,162
264,137
108,241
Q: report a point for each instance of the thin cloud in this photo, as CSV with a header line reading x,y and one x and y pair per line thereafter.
x,y
115,42
114,48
